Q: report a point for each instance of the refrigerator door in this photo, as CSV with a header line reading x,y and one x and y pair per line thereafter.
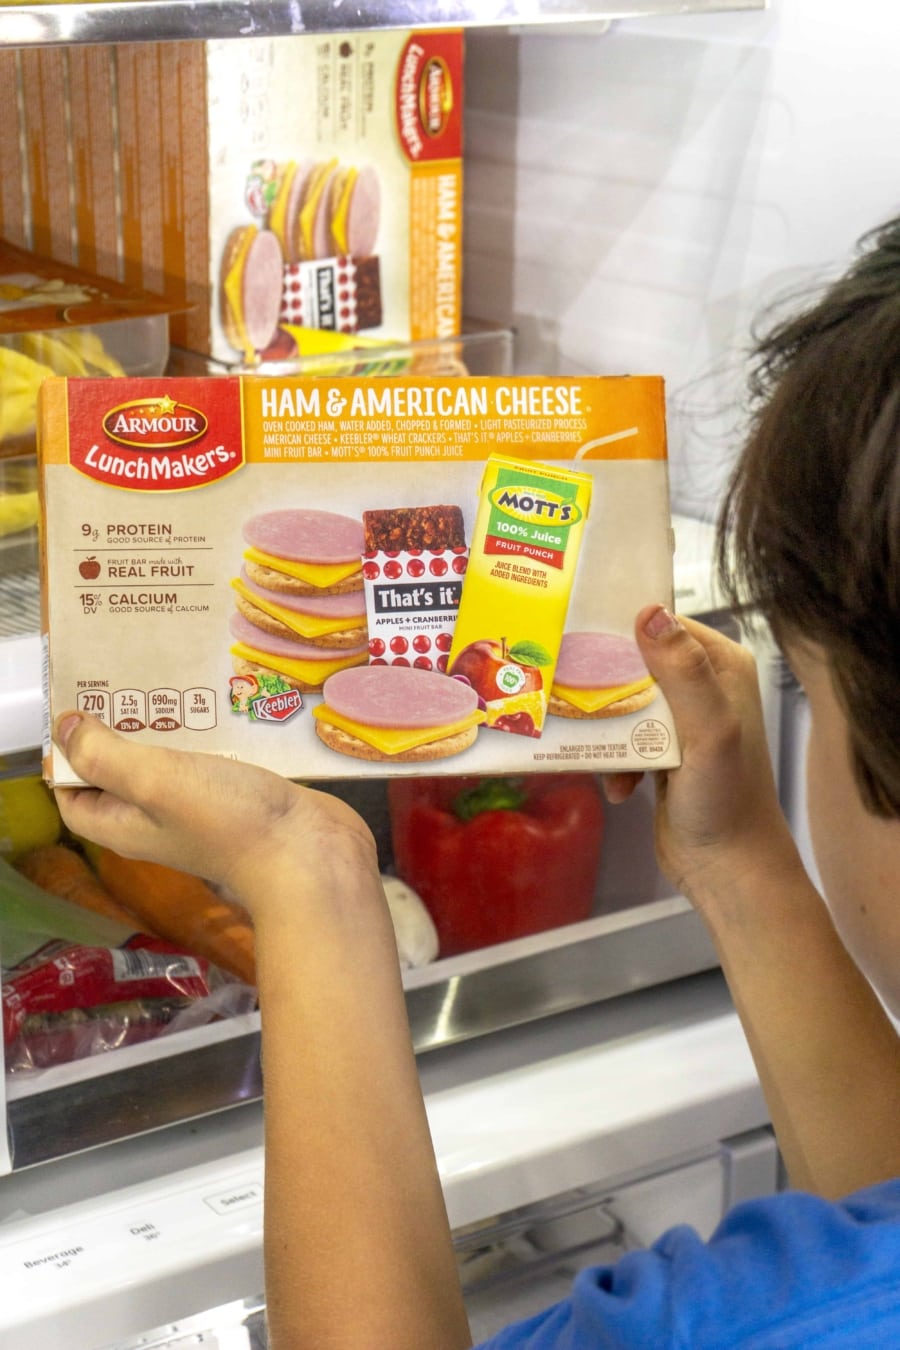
x,y
516,1264
537,1128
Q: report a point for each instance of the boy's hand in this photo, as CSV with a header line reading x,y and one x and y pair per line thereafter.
x,y
717,815
204,814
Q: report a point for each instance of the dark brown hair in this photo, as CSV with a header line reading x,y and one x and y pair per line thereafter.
x,y
809,532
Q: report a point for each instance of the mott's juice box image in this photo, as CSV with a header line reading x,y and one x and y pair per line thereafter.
x,y
521,570
339,577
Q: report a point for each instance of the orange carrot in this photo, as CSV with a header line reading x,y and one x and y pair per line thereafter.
x,y
180,907
66,874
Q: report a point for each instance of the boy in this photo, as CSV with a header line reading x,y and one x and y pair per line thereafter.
x,y
358,1255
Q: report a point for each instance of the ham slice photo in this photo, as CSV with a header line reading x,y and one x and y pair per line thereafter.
x,y
397,714
300,551
301,665
599,675
354,212
335,621
250,285
300,607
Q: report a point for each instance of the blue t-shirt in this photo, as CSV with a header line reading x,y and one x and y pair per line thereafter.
x,y
788,1272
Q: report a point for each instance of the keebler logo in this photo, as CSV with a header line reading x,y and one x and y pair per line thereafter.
x,y
155,442
155,423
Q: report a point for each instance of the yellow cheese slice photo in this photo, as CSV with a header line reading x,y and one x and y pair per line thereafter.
x,y
305,625
308,672
321,575
233,288
592,700
395,740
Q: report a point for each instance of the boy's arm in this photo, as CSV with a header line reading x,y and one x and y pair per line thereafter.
x,y
827,1055
357,1244
358,1253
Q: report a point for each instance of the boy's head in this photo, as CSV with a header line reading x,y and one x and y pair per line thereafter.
x,y
810,529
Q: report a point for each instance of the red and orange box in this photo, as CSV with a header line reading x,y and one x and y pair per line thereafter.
x,y
297,572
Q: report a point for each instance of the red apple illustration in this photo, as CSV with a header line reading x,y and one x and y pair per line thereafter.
x,y
520,724
89,569
496,671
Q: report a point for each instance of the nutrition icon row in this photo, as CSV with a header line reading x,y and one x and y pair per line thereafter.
x,y
151,709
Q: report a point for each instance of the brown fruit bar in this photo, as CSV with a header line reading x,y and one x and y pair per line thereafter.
x,y
408,527
368,293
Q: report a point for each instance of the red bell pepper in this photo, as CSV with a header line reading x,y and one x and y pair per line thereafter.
x,y
498,858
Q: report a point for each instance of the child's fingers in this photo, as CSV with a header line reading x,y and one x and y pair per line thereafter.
x,y
618,787
96,754
684,659
130,773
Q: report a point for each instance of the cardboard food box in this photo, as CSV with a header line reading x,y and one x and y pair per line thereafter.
x,y
335,577
332,190
269,185
263,185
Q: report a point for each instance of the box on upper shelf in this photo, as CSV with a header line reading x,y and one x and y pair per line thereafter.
x,y
263,185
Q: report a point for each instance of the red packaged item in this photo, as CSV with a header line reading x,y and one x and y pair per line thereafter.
x,y
68,1001
498,858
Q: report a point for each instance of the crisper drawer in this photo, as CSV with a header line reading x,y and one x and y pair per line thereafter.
x,y
640,933
640,936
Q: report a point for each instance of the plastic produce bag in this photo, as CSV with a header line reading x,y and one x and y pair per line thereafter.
x,y
67,1001
29,916
76,983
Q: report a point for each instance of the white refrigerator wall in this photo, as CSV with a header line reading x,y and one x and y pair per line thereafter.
x,y
634,199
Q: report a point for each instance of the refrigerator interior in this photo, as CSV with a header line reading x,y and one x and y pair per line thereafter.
x,y
641,935
633,197
634,200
